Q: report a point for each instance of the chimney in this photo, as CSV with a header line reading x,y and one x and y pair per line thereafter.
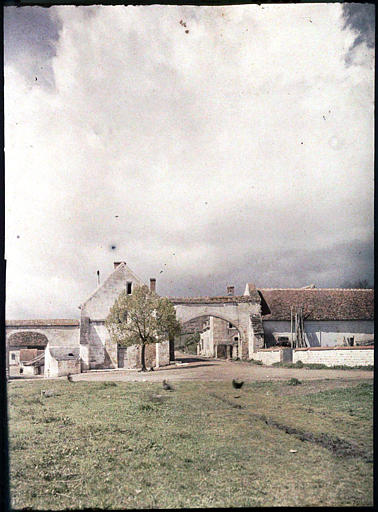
x,y
117,263
230,290
153,285
98,278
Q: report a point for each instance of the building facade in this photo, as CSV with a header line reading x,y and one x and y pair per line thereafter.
x,y
230,326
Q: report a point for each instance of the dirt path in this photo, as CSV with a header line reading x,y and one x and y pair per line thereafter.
x,y
201,368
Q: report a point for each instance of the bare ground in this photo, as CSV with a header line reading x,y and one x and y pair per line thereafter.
x,y
193,368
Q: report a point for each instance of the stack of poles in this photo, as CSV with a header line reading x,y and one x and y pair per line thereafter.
x,y
297,319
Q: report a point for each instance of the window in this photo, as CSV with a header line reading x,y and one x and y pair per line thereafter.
x,y
230,326
128,287
13,357
282,338
236,338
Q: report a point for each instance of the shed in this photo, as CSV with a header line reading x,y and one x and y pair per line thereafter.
x,y
60,361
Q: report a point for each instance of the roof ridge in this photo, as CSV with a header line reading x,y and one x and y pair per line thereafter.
x,y
320,289
41,321
122,264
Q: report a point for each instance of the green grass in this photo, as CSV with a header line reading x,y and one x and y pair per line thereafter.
x,y
132,445
320,366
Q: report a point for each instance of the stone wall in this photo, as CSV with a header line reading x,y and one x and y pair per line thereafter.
x,y
66,367
348,356
60,335
207,343
163,353
270,356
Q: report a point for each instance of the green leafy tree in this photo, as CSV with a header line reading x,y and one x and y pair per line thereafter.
x,y
359,284
142,318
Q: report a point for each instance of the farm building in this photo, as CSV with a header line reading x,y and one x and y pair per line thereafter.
x,y
97,350
230,326
60,361
330,318
27,341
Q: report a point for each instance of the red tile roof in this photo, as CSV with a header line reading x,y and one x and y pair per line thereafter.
x,y
212,300
318,303
45,322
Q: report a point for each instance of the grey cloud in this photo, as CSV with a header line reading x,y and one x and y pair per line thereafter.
x,y
329,267
361,19
211,187
29,37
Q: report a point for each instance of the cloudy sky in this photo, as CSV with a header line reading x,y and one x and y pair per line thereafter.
x,y
204,146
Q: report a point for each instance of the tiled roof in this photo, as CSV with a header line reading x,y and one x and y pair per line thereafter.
x,y
42,323
228,299
27,339
64,353
318,303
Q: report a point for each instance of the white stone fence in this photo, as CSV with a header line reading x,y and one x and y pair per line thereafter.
x,y
273,355
334,356
329,356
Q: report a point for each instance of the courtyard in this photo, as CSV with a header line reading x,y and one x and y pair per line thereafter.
x,y
107,441
192,367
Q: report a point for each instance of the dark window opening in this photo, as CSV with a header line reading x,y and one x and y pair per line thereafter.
x,y
13,357
70,354
230,326
21,370
282,338
128,287
236,338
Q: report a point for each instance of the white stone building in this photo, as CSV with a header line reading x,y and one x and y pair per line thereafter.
x,y
237,326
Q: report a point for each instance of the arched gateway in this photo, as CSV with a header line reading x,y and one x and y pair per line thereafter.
x,y
244,312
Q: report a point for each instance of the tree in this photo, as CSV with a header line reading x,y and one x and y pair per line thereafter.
x,y
359,284
142,318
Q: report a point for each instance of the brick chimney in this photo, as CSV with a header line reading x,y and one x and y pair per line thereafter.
x,y
152,284
117,263
230,290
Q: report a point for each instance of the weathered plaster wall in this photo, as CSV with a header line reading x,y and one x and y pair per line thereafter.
x,y
97,307
323,333
60,336
349,356
270,356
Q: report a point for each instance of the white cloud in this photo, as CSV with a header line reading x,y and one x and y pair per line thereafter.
x,y
247,136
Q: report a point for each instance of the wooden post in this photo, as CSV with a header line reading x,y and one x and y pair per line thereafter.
x,y
291,325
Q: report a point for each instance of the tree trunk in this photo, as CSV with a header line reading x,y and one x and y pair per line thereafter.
x,y
143,359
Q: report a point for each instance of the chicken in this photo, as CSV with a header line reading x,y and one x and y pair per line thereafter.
x,y
167,386
236,384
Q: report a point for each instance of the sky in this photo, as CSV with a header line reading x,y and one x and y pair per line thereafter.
x,y
204,146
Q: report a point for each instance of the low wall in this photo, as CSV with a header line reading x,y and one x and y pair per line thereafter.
x,y
66,367
332,356
273,355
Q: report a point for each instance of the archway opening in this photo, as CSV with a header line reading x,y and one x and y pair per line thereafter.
x,y
209,336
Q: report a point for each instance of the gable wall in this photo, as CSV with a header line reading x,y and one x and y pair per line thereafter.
x,y
98,306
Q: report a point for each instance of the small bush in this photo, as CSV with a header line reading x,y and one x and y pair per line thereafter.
x,y
298,364
256,361
146,407
50,419
294,382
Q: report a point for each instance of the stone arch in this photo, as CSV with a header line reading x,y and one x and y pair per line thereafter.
x,y
215,313
27,339
185,314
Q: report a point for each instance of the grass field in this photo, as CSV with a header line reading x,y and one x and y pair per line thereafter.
x,y
133,445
